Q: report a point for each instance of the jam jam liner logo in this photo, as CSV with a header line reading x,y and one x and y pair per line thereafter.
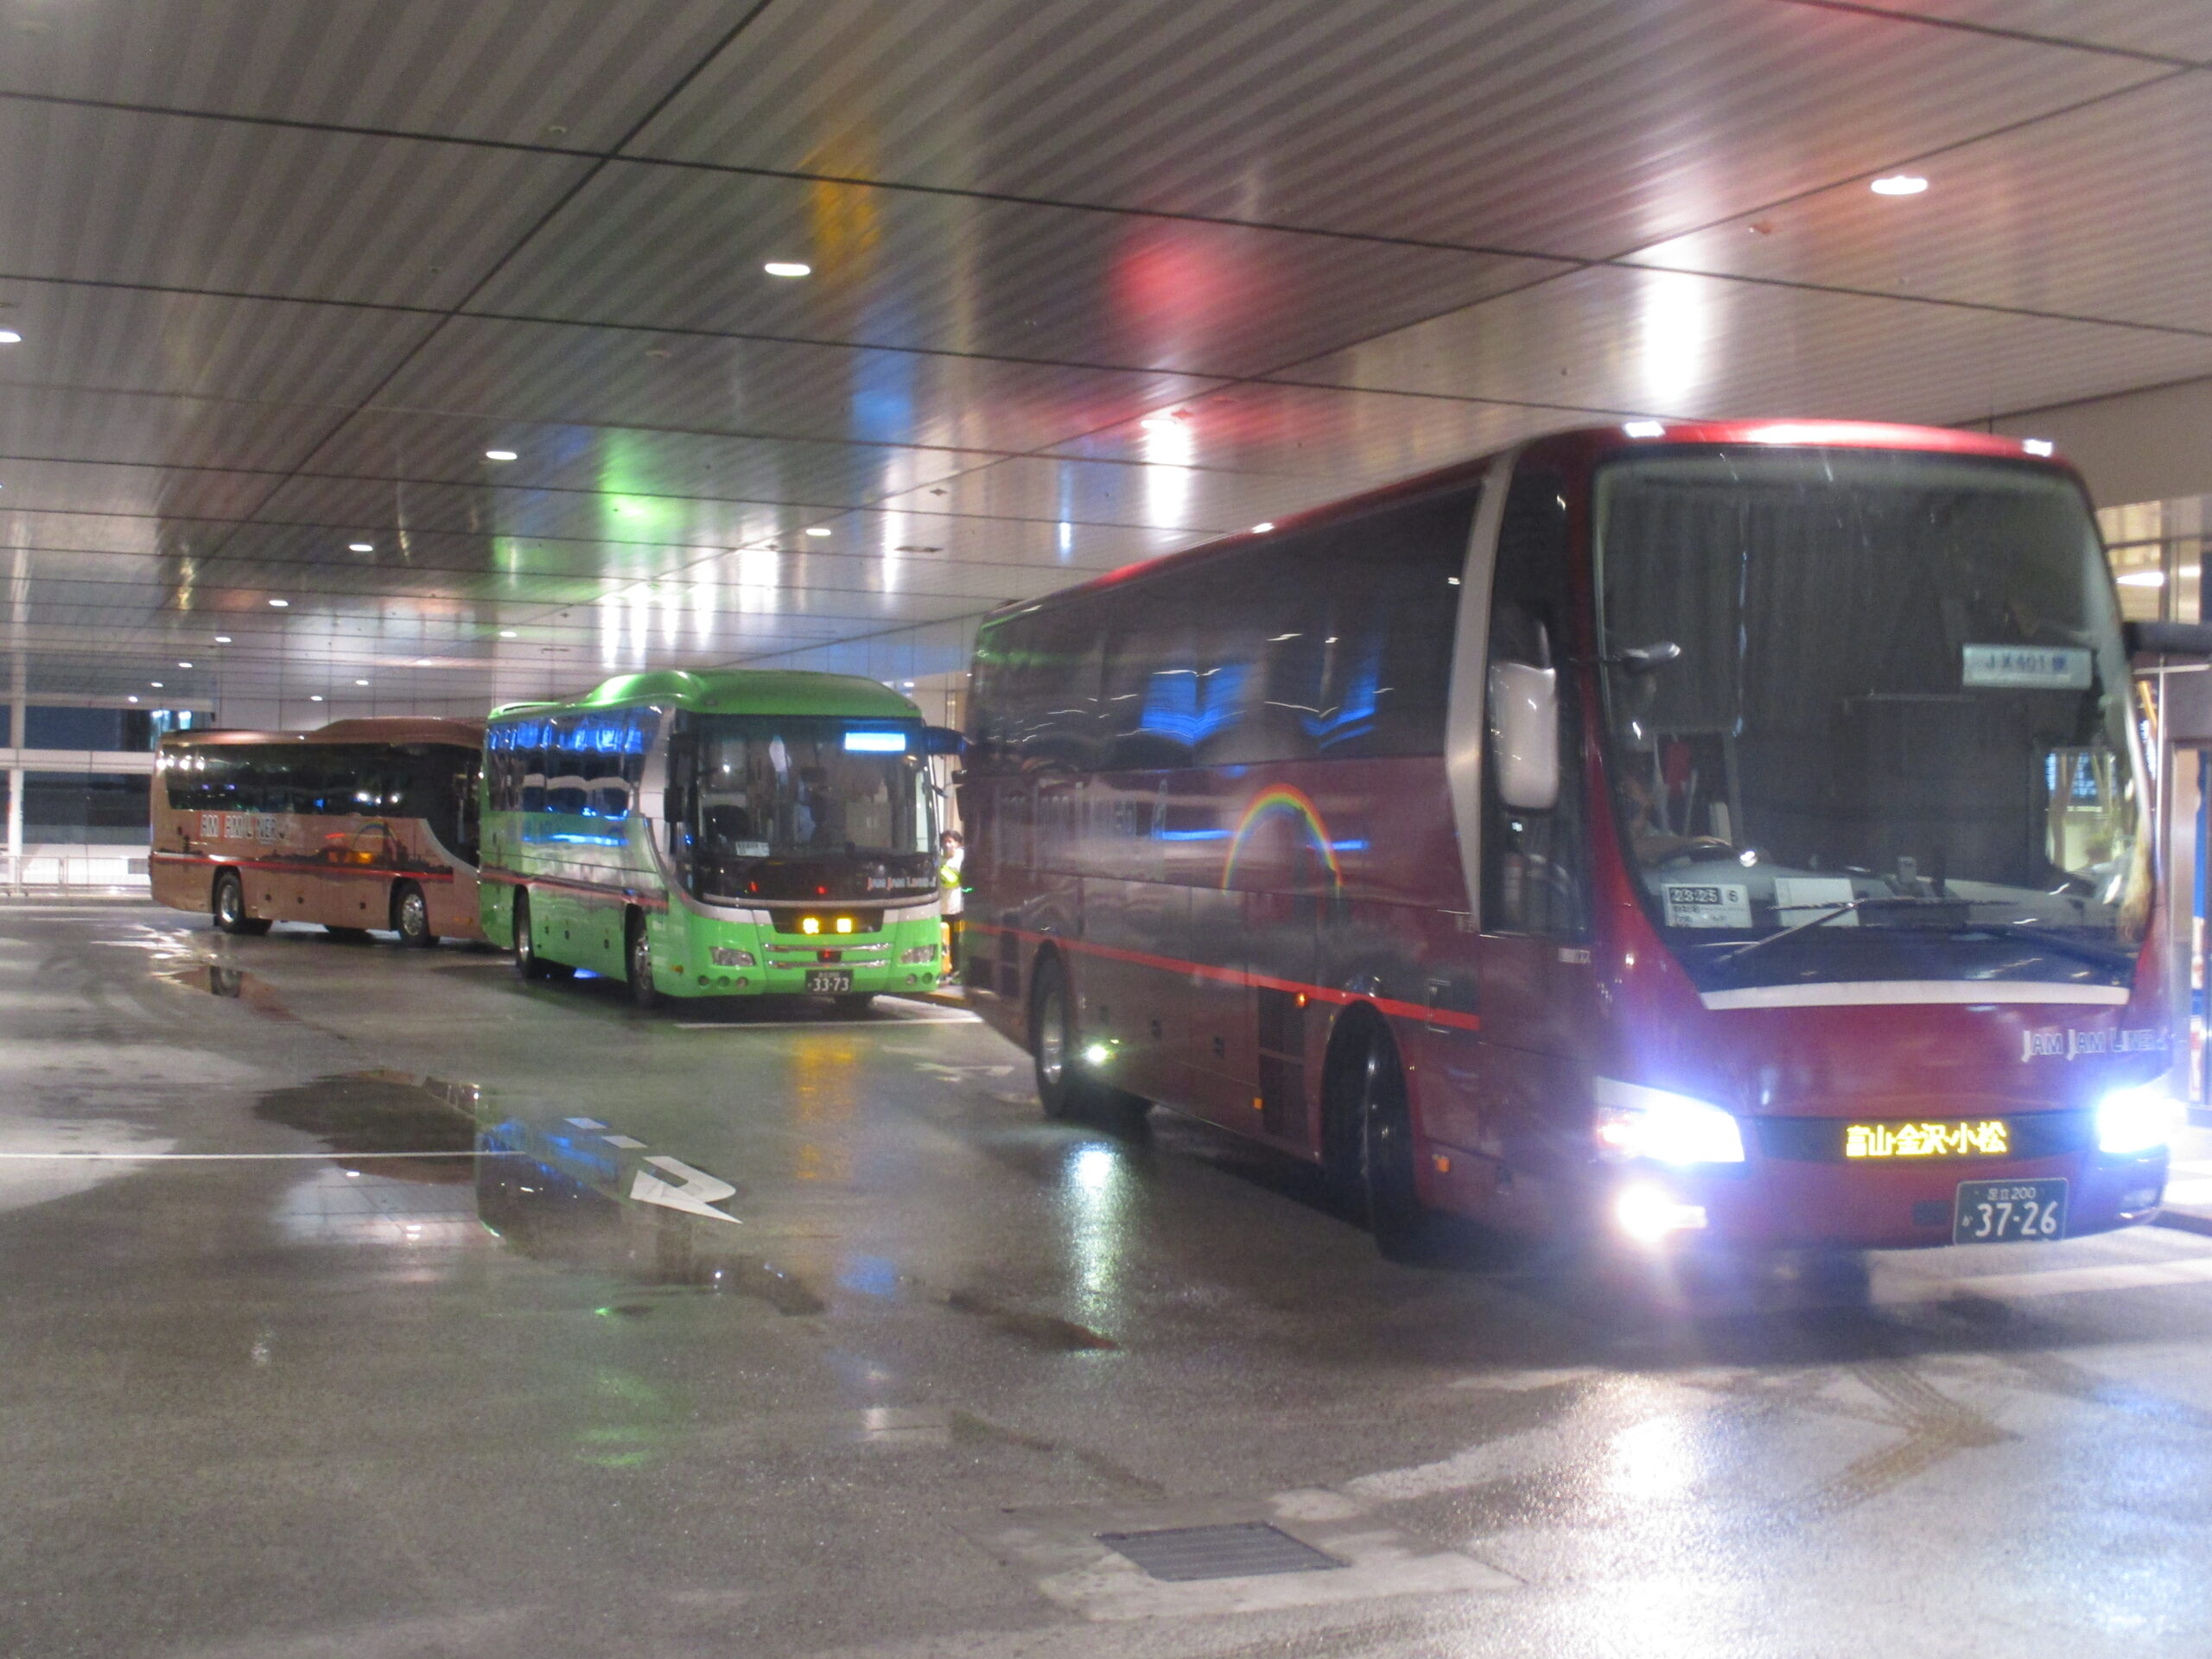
x,y
2056,1043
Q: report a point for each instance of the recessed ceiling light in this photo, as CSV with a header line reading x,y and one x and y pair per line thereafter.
x,y
2036,446
360,682
157,684
222,639
10,337
1898,184
281,604
184,664
422,662
1645,429
817,530
130,699
507,633
314,697
1263,526
500,454
361,547
787,267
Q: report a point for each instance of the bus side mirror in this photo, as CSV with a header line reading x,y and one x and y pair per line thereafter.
x,y
1524,734
942,740
2167,638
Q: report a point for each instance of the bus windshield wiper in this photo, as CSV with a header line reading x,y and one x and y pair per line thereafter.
x,y
1835,911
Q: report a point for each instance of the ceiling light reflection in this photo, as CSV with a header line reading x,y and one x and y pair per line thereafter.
x,y
1898,184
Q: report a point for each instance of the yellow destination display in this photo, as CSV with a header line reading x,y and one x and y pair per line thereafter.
x,y
1990,1138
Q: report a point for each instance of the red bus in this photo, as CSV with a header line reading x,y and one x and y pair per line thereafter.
x,y
1732,832
360,826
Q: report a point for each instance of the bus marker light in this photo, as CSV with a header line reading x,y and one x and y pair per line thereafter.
x,y
844,924
809,924
1443,1164
1647,1214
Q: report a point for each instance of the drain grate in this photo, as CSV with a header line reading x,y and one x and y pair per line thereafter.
x,y
1246,1549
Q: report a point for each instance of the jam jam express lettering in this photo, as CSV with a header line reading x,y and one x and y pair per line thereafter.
x,y
2057,1042
1990,1138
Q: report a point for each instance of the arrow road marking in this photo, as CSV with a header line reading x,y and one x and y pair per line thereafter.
x,y
697,1192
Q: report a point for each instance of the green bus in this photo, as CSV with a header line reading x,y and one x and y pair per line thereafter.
x,y
737,833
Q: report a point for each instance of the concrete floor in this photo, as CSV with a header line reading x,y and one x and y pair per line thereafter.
x,y
270,1390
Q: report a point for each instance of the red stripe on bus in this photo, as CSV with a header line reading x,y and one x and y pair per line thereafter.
x,y
510,879
1449,1017
378,870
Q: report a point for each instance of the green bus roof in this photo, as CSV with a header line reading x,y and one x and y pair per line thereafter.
x,y
740,691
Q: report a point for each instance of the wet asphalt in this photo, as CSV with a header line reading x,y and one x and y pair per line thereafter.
x,y
361,1301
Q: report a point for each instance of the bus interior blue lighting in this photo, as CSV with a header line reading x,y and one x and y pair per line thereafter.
x,y
875,742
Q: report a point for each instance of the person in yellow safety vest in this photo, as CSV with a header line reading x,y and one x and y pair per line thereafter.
x,y
950,899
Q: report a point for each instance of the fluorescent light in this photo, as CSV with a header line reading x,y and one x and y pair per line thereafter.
x,y
787,267
361,547
875,742
2036,446
10,337
500,454
1159,423
2143,579
817,530
281,604
1898,184
507,633
1263,526
1646,429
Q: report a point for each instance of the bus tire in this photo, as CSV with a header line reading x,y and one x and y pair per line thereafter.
x,y
637,963
410,915
1053,1039
1401,1223
226,904
528,963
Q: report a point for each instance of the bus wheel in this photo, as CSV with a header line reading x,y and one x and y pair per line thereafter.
x,y
410,915
854,1005
528,962
228,907
639,960
1395,1213
1052,1040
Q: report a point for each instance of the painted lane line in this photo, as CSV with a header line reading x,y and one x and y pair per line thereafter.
x,y
627,1143
697,1194
585,1122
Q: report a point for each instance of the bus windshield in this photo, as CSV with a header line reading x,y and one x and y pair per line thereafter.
x,y
1868,718
806,788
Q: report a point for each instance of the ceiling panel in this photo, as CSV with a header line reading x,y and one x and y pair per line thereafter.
x,y
235,350
1667,343
157,431
127,493
1555,126
632,473
113,197
533,372
1191,499
513,70
668,247
2126,178
2176,29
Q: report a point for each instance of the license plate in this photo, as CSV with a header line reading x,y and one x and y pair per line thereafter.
x,y
2009,1212
830,979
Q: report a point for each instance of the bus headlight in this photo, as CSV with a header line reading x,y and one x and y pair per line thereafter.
x,y
1656,1124
919,953
1647,1213
2138,1120
725,956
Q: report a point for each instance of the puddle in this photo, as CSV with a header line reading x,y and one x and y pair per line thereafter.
x,y
364,1112
562,1195
1044,1330
234,984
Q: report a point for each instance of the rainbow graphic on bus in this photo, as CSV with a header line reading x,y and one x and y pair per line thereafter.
x,y
1279,802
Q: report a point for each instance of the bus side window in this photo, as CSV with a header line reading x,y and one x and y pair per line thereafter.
x,y
1534,863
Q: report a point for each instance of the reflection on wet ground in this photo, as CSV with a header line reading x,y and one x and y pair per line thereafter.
x,y
371,1112
233,983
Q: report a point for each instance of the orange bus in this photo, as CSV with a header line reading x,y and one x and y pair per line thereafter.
x,y
360,826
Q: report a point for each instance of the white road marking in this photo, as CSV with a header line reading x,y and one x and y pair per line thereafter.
x,y
585,1122
697,1194
230,1157
627,1143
